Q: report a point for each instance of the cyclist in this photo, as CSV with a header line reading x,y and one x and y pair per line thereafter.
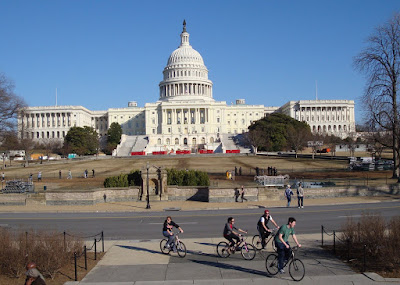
x,y
262,227
282,244
229,232
168,232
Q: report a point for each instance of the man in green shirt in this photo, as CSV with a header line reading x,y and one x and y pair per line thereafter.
x,y
282,244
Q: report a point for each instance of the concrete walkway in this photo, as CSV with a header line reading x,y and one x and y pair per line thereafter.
x,y
141,262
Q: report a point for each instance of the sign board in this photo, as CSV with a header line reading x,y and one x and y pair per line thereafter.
x,y
315,143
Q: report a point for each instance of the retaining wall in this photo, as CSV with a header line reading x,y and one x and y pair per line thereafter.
x,y
175,193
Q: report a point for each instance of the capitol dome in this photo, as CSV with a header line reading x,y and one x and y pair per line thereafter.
x,y
185,76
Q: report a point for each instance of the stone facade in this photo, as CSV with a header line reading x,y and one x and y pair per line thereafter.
x,y
186,116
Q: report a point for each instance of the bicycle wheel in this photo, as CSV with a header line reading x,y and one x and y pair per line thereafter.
x,y
181,248
248,252
297,269
257,242
271,264
222,249
164,249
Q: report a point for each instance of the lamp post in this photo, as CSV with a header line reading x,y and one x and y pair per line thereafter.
x,y
147,184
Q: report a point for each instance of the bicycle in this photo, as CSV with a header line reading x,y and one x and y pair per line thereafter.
x,y
247,250
296,266
179,245
256,241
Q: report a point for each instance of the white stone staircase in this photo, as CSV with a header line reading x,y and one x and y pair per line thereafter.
x,y
229,143
130,144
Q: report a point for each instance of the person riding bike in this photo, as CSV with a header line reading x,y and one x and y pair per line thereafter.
x,y
168,232
282,244
262,226
230,234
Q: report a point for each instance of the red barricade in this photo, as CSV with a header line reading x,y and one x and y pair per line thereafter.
x,y
138,153
183,152
233,151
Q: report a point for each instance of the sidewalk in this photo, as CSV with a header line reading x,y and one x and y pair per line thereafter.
x,y
184,205
141,262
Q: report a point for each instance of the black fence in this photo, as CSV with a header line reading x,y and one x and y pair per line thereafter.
x,y
352,253
96,238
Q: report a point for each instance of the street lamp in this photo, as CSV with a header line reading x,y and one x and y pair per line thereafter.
x,y
147,184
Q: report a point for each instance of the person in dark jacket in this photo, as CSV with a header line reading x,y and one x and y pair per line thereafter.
x,y
169,233
230,233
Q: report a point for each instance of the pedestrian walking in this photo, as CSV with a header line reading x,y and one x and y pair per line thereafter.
x,y
85,173
3,177
30,178
69,175
242,192
288,195
39,176
300,196
240,171
93,173
59,174
237,195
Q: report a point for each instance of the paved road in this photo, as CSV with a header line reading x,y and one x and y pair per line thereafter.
x,y
201,224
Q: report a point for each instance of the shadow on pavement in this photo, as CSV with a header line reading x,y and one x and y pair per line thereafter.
x,y
233,267
139,249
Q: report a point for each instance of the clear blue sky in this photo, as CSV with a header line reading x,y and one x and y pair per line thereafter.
x,y
102,54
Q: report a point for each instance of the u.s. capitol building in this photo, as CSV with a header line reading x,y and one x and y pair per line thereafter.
x,y
186,117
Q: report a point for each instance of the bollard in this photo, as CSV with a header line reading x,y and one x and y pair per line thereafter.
x,y
102,240
322,234
95,249
76,268
334,242
84,250
348,250
364,261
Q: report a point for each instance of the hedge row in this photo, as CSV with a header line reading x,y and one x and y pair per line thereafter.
x,y
133,178
187,177
175,177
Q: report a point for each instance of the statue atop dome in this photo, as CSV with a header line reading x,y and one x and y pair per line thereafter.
x,y
184,26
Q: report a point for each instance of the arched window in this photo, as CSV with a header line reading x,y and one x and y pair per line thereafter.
x,y
167,141
203,140
159,141
185,141
194,141
329,128
324,129
211,140
176,141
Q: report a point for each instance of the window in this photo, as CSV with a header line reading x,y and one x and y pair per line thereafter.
x,y
159,141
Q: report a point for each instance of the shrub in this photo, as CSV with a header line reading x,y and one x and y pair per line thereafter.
x,y
46,249
133,178
187,177
381,241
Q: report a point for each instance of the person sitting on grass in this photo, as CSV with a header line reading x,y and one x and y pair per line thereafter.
x,y
33,276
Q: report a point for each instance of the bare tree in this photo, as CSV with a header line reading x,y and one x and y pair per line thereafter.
x,y
297,138
10,105
379,61
256,138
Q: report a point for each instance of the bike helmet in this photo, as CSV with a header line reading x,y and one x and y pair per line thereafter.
x,y
266,212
